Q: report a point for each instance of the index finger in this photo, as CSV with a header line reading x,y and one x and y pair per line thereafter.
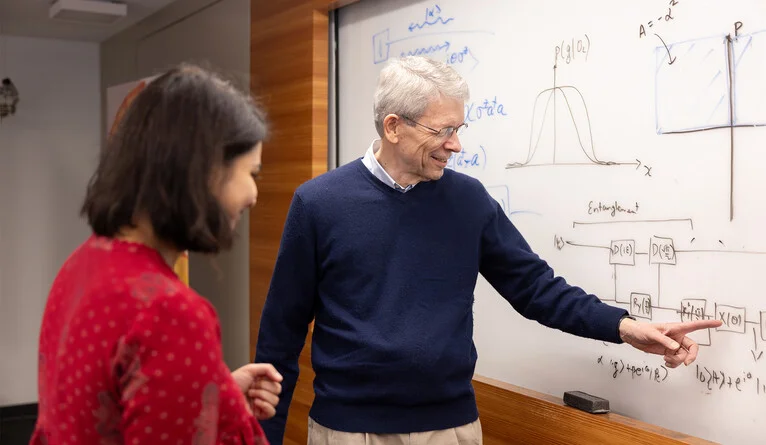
x,y
691,326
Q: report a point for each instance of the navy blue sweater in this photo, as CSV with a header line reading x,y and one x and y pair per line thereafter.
x,y
389,278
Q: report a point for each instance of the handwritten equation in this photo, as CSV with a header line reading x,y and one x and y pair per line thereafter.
x,y
661,251
468,160
459,57
462,56
717,380
709,379
568,51
664,17
486,109
433,16
621,368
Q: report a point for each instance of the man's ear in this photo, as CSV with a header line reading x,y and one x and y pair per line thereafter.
x,y
392,128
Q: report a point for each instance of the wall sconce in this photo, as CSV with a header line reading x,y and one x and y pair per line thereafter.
x,y
9,98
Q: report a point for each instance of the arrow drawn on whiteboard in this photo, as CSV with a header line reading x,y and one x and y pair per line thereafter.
x,y
671,59
470,53
753,351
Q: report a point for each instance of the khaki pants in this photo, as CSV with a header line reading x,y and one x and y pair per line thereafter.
x,y
463,435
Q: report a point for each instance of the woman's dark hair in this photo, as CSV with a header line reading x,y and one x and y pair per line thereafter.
x,y
161,160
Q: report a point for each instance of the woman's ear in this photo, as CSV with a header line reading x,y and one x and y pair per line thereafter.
x,y
392,128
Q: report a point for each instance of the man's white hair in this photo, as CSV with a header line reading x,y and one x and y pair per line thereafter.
x,y
407,85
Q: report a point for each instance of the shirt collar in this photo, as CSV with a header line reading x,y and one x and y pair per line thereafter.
x,y
378,171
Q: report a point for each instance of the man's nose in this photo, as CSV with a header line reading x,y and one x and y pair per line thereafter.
x,y
453,143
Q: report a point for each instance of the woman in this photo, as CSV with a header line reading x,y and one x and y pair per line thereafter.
x,y
128,353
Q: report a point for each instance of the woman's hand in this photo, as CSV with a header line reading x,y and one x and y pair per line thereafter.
x,y
260,383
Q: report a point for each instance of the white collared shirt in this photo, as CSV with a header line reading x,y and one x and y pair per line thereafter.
x,y
378,171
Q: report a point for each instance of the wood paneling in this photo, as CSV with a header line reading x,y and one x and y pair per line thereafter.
x,y
289,68
289,72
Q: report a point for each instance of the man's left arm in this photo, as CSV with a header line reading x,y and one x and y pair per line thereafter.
x,y
532,288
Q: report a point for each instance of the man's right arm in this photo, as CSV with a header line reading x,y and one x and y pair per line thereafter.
x,y
288,310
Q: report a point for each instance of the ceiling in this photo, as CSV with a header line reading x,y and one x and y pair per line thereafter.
x,y
29,18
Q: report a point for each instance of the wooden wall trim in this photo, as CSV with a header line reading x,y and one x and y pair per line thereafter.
x,y
514,415
289,73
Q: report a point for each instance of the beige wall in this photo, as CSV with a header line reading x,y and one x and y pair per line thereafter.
x,y
48,151
216,34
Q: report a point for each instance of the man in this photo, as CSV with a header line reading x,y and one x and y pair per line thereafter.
x,y
368,252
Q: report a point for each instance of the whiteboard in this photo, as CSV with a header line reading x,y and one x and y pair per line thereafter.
x,y
625,141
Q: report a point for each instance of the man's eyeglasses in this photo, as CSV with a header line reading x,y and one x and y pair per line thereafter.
x,y
445,132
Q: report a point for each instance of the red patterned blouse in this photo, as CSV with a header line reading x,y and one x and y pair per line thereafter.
x,y
131,355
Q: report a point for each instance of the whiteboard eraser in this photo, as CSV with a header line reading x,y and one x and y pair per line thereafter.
x,y
586,402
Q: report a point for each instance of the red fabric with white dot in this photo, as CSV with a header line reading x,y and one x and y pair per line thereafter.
x,y
130,355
